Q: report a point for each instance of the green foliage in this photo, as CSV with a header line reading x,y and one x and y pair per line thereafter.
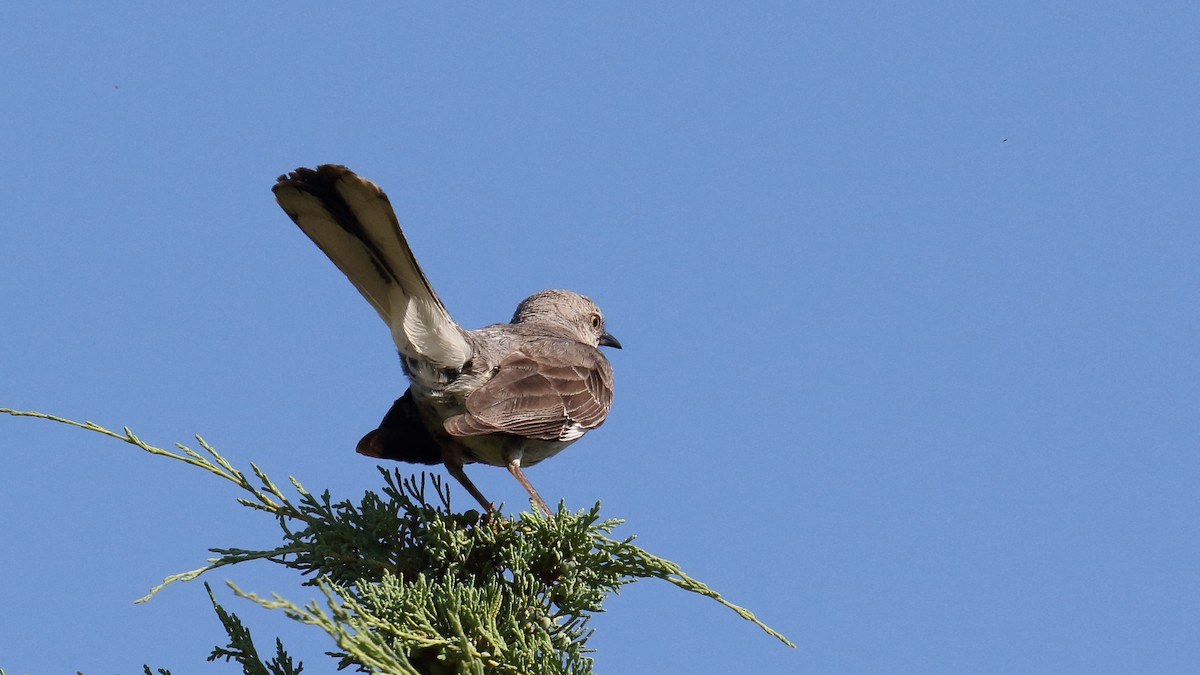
x,y
409,587
241,647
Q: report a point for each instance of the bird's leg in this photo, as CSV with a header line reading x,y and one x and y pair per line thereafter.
x,y
454,466
514,467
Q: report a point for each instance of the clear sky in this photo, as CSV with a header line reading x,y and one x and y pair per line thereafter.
x,y
908,295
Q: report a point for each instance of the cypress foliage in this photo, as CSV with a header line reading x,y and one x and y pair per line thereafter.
x,y
412,588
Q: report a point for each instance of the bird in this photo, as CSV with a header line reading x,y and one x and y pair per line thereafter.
x,y
508,394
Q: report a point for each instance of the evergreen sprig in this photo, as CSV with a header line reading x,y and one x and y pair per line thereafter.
x,y
241,647
410,587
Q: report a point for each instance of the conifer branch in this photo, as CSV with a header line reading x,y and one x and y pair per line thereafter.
x,y
411,587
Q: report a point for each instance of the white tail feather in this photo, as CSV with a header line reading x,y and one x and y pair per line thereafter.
x,y
372,252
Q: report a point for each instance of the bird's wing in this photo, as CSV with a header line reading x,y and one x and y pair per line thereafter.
x,y
547,390
352,221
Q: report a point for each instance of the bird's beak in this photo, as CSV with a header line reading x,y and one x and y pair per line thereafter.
x,y
607,340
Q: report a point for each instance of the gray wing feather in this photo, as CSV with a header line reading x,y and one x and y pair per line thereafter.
x,y
546,390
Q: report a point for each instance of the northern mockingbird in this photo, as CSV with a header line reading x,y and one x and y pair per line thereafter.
x,y
509,394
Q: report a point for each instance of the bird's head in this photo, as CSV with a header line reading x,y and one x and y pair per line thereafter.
x,y
567,309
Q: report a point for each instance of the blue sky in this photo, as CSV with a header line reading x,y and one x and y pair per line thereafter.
x,y
908,298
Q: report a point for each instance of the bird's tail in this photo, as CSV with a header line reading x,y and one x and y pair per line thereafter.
x,y
352,221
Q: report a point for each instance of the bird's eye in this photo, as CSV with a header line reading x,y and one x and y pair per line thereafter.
x,y
596,321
